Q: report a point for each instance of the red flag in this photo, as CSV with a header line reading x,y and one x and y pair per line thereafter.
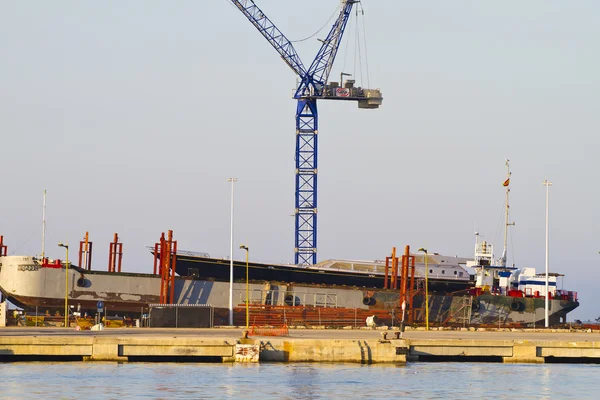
x,y
506,182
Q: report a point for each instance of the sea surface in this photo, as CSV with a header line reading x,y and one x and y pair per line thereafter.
x,y
77,380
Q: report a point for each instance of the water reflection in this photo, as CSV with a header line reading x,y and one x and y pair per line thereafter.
x,y
294,381
304,380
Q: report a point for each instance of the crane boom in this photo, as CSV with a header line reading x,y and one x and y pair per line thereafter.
x,y
273,35
318,72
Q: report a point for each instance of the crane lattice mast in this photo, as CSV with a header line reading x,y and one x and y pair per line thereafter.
x,y
312,86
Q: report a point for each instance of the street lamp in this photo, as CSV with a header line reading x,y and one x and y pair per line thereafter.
x,y
66,246
232,180
546,317
244,247
426,289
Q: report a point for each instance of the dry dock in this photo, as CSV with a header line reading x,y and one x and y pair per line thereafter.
x,y
302,345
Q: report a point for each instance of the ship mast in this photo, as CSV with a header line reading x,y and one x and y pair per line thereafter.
x,y
44,226
506,184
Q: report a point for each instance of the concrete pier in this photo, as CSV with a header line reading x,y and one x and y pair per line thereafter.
x,y
359,346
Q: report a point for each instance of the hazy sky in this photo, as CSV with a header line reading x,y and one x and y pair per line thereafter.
x,y
133,114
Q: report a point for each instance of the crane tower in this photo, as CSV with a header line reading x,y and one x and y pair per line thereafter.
x,y
313,85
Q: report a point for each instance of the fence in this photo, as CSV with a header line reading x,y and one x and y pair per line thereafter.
x,y
181,316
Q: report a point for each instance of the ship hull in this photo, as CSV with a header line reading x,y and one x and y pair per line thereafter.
x,y
26,282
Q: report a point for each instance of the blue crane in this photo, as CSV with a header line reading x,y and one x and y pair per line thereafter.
x,y
312,86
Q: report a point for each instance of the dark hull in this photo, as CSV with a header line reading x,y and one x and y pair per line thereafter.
x,y
219,269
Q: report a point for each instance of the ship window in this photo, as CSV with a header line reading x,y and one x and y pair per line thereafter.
x,y
443,272
455,272
460,274
431,271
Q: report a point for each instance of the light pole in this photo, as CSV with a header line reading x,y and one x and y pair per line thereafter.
x,y
66,246
244,247
546,303
426,289
232,180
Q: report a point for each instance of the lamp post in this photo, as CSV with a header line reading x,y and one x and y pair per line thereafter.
x,y
546,303
232,180
66,246
244,247
426,289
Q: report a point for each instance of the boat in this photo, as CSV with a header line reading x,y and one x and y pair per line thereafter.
x,y
491,296
505,293
432,288
32,282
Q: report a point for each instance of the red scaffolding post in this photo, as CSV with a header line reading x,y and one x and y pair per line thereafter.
x,y
85,253
408,264
156,257
387,272
3,247
115,252
403,283
390,280
404,277
394,277
166,255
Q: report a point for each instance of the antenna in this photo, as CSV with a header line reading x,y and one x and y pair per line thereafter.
x,y
506,184
44,226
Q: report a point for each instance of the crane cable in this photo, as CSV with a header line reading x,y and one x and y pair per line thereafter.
x,y
14,251
308,37
357,53
355,25
365,40
336,11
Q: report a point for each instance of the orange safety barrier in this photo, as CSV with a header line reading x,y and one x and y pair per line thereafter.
x,y
269,331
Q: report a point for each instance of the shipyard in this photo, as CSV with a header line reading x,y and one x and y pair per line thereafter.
x,y
341,198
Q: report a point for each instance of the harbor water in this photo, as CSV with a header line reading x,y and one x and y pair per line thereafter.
x,y
78,380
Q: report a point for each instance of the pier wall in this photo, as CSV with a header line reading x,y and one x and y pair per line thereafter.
x,y
170,347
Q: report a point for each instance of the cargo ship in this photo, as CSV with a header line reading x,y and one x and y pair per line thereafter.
x,y
432,288
491,296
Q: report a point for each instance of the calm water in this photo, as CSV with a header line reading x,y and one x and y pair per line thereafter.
x,y
296,381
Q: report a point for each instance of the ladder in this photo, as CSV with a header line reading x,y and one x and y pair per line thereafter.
x,y
463,313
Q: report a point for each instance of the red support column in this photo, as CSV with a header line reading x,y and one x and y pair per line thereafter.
x,y
80,253
394,278
387,272
120,254
156,258
90,257
163,268
167,266
173,263
3,247
85,253
165,259
411,289
115,251
404,278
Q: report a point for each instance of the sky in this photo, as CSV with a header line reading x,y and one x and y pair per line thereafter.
x,y
132,115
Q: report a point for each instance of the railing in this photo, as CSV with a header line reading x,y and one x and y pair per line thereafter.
x,y
287,298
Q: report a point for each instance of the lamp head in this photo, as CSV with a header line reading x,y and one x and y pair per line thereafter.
x,y
66,246
423,250
244,247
